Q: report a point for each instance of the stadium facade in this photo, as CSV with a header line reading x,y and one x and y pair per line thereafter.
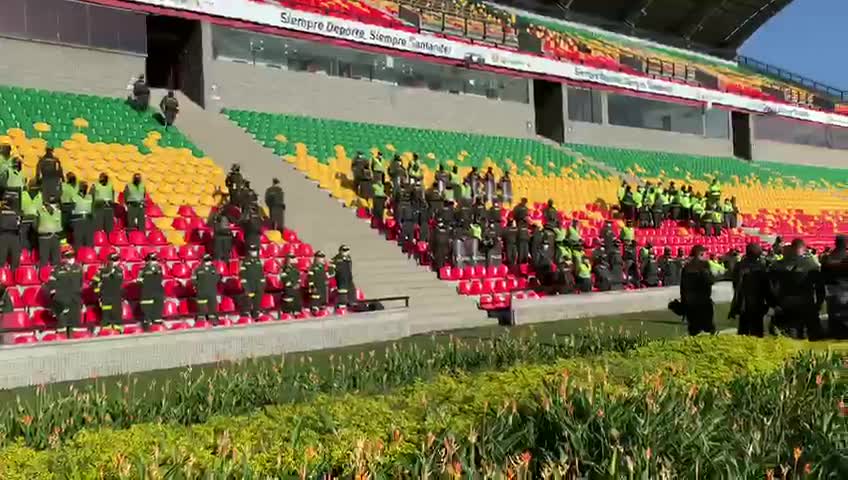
x,y
498,77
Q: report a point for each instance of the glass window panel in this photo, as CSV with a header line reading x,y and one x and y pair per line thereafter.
x,y
43,20
584,105
653,114
717,123
13,18
72,23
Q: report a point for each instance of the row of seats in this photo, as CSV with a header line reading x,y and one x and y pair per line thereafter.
x,y
91,135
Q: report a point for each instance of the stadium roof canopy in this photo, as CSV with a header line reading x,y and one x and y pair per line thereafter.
x,y
718,26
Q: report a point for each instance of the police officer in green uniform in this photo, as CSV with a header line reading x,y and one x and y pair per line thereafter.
x,y
49,227
252,278
67,199
222,240
205,280
318,287
152,291
584,274
343,267
10,240
134,194
13,182
108,284
81,219
30,205
275,200
65,286
103,198
290,278
379,168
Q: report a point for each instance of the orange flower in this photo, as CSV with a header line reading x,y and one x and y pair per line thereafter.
x,y
648,453
797,453
526,457
27,420
808,468
819,380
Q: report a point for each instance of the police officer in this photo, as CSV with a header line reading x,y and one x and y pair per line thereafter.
x,y
134,199
378,204
489,186
551,215
406,217
30,206
798,292
49,227
81,218
510,242
318,287
616,265
519,214
631,264
222,239
379,168
602,275
835,277
12,181
290,278
750,292
251,225
108,285
650,271
141,94
205,279
65,285
252,278
275,200
343,268
670,268
492,244
234,182
152,291
103,201
10,239
48,174
169,107
696,287
505,189
584,275
67,198
441,246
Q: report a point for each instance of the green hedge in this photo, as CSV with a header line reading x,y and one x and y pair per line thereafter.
x,y
344,433
52,415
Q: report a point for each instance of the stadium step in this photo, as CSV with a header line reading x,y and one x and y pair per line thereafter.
x,y
632,179
380,268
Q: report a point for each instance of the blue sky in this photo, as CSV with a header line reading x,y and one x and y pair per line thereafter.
x,y
808,38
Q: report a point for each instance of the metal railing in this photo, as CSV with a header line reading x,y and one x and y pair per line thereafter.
x,y
834,93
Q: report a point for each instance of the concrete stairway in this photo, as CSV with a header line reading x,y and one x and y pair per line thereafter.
x,y
380,269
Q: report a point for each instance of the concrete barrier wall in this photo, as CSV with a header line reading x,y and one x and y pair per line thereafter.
x,y
646,139
68,361
565,307
771,151
265,89
69,69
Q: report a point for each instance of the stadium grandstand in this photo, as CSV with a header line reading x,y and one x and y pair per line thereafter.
x,y
560,104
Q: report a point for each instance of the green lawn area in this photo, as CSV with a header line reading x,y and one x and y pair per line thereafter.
x,y
659,324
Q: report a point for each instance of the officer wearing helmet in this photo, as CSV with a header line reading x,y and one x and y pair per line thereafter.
x,y
152,291
252,278
65,286
103,198
318,284
108,285
290,279
205,279
343,268
134,198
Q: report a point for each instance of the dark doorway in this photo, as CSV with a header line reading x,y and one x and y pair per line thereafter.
x,y
741,123
175,55
547,100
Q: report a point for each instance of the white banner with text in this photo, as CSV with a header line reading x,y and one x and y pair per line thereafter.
x,y
269,14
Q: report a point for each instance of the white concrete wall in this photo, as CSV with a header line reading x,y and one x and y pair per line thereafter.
x,y
69,69
771,151
266,89
645,139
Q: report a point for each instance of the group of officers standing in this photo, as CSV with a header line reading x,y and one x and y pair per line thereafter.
x,y
96,205
54,208
791,282
649,205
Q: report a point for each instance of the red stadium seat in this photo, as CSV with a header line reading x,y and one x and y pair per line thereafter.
x,y
180,224
26,275
191,252
130,255
186,211
16,298
152,210
271,266
226,305
118,238
27,258
268,302
180,270
168,253
137,238
156,237
44,273
15,319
